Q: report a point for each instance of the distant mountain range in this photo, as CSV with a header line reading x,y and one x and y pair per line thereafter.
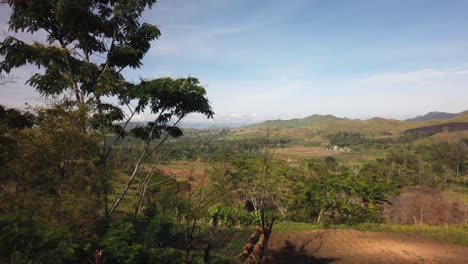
x,y
332,124
435,116
329,124
296,122
215,125
447,127
196,125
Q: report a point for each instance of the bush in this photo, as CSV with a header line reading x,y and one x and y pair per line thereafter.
x,y
137,239
29,241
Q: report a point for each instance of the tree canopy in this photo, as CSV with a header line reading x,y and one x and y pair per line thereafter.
x,y
87,45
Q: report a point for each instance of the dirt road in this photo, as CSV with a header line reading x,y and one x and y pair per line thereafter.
x,y
350,246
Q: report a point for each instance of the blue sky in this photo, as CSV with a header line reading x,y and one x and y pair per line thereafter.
x,y
284,59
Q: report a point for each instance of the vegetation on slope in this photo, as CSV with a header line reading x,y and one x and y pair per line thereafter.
x,y
322,125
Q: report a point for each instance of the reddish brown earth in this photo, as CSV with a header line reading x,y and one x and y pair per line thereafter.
x,y
350,246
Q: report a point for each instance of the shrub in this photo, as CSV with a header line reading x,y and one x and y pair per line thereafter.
x,y
30,241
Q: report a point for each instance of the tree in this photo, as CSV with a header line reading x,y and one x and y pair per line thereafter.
x,y
89,43
344,196
11,118
265,187
6,78
51,171
168,99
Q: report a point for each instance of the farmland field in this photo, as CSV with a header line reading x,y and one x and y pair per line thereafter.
x,y
351,246
307,151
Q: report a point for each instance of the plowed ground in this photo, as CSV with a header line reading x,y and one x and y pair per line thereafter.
x,y
350,246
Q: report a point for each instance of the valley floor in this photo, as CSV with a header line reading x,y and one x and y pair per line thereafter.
x,y
351,246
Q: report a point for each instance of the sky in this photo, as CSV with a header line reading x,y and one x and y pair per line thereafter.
x,y
284,59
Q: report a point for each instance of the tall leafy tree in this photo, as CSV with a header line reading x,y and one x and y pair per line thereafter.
x,y
88,45
264,187
51,171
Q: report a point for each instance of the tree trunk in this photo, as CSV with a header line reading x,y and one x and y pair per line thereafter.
x,y
129,183
319,216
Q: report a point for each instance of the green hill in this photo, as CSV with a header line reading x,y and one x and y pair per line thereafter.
x,y
435,115
432,116
294,123
328,124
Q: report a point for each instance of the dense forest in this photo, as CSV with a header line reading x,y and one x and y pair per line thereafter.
x,y
78,185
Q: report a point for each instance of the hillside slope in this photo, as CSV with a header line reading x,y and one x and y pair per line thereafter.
x,y
432,116
294,123
448,127
328,124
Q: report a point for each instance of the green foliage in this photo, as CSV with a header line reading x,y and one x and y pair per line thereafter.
x,y
229,216
61,165
87,25
170,100
429,164
142,240
296,123
72,61
341,196
11,118
89,44
361,141
29,241
52,172
345,139
279,184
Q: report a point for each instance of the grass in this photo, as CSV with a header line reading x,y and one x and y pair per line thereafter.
x,y
185,165
450,137
445,234
361,155
307,151
229,243
287,226
455,192
233,240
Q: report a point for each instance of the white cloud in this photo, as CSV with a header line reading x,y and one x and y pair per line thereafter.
x,y
179,37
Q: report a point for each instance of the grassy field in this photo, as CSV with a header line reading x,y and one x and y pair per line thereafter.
x,y
306,152
297,152
449,137
360,156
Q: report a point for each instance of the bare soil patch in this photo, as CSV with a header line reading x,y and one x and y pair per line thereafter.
x,y
350,246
